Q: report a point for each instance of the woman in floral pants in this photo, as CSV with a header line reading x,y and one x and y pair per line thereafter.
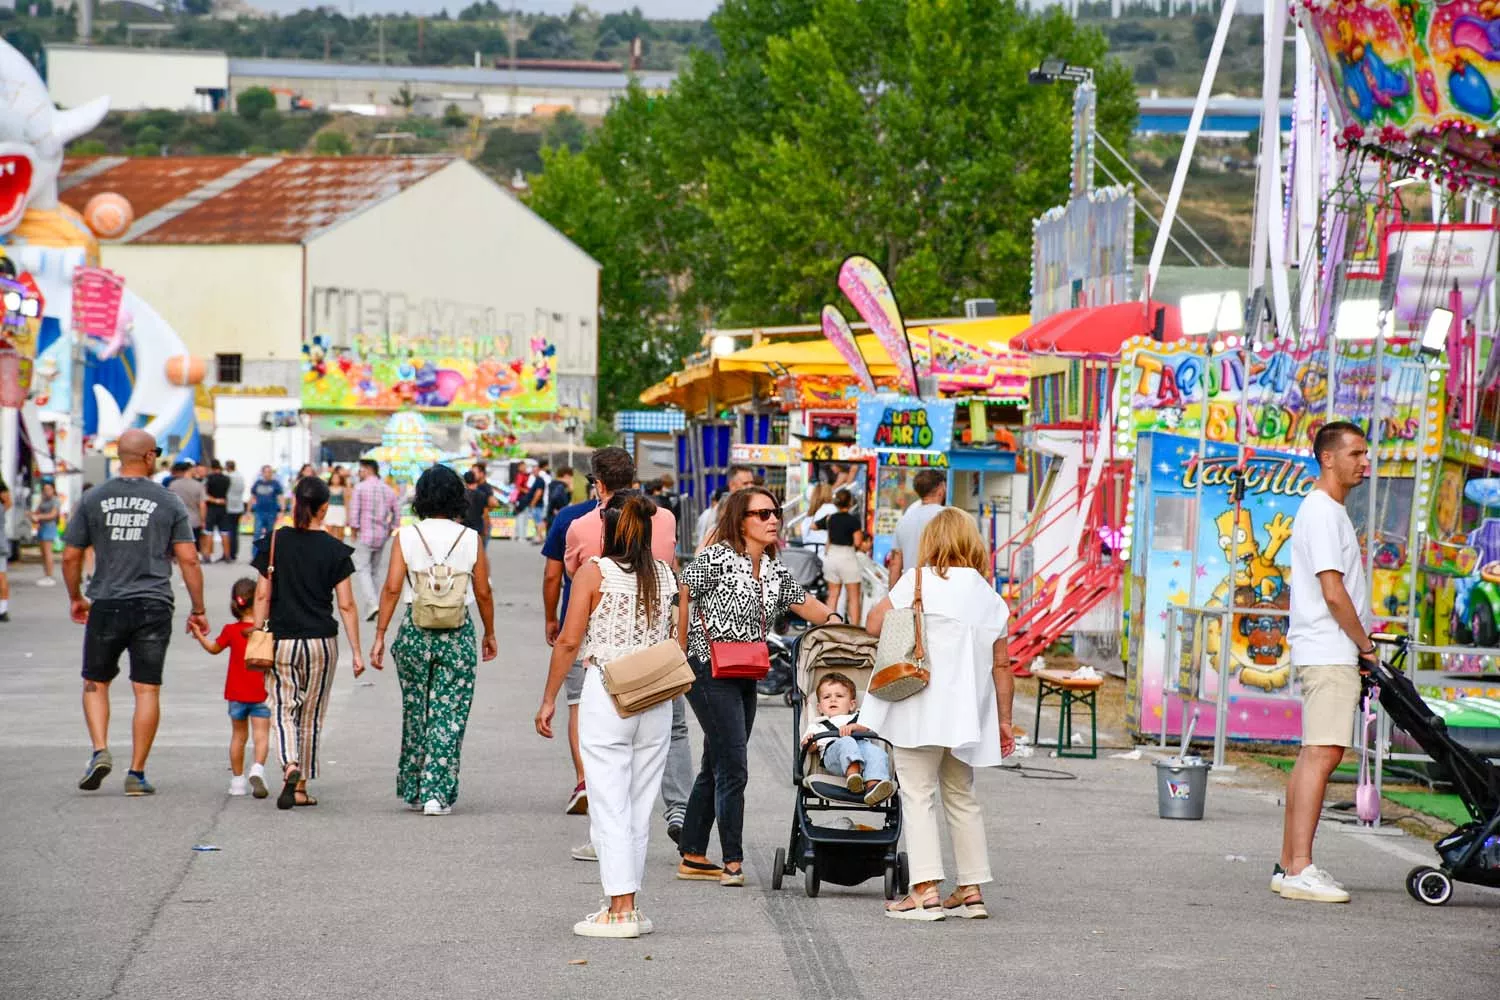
x,y
435,666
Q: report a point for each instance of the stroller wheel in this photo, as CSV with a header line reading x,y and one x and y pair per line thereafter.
x,y
891,878
810,881
778,868
1430,885
903,876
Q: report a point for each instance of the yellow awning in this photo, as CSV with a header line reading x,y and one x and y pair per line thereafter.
x,y
735,378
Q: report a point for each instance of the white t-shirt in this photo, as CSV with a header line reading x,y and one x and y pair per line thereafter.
x,y
909,530
817,536
439,534
1323,538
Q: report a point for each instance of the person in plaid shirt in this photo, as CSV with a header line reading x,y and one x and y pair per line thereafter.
x,y
372,519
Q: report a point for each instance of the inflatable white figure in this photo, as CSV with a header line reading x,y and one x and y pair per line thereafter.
x,y
50,240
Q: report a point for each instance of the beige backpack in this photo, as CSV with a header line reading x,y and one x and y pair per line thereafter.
x,y
439,593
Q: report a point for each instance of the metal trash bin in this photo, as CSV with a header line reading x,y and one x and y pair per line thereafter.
x,y
1181,785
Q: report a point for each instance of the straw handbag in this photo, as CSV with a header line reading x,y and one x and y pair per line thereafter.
x,y
900,659
260,643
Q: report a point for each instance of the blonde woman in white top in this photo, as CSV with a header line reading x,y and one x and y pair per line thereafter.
x,y
621,603
435,666
960,721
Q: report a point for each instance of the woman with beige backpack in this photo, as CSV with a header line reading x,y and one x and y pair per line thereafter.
x,y
438,568
619,624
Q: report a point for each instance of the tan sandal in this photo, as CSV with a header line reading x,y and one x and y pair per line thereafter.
x,y
911,907
966,902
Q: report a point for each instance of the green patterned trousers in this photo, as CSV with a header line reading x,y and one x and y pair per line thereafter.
x,y
436,670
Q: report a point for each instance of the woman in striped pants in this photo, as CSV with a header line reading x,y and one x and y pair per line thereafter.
x,y
297,606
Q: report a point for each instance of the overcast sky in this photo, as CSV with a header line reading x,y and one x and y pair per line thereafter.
x,y
695,9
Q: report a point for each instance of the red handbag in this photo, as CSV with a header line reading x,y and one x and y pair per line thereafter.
x,y
739,660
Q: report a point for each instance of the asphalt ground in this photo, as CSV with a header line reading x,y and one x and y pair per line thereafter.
x,y
102,896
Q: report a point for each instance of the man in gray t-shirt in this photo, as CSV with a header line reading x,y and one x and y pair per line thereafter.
x,y
932,487
136,528
189,489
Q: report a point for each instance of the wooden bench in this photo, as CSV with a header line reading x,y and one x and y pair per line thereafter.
x,y
1069,690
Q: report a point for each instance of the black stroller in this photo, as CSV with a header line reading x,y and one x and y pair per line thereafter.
x,y
1472,852
838,854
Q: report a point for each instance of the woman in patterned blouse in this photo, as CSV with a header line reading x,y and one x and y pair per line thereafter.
x,y
738,590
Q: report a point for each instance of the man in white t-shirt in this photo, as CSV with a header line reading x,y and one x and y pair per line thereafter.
x,y
1330,600
932,491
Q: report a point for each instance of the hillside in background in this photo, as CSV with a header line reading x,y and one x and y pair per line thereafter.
x,y
1165,54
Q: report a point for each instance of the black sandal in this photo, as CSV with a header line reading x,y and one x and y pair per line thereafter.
x,y
288,797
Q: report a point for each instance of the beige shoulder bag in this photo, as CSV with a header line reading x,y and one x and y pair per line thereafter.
x,y
647,677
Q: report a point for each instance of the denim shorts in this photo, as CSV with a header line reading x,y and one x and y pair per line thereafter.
x,y
141,628
239,711
47,531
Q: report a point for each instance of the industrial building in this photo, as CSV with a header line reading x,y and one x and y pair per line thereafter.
x,y
137,78
269,266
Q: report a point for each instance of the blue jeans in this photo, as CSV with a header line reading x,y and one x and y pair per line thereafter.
x,y
840,753
265,523
726,712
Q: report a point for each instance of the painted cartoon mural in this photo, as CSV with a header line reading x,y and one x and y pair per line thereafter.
x,y
130,380
392,373
1412,64
1242,555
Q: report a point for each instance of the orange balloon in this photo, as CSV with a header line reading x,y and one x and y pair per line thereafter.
x,y
184,369
108,214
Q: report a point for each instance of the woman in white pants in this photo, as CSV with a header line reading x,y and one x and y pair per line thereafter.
x,y
960,721
621,603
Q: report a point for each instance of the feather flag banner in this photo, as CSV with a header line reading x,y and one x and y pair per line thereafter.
x,y
864,284
836,329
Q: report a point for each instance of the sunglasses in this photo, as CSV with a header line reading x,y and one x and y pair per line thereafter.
x,y
765,513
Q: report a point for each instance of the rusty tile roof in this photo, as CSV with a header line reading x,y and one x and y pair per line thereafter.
x,y
209,200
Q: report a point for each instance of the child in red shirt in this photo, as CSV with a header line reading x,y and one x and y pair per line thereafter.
x,y
245,690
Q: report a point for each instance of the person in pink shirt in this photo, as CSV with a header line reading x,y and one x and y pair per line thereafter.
x,y
614,470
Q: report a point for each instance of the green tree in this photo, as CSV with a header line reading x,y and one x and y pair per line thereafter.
x,y
901,129
252,102
453,117
566,129
332,144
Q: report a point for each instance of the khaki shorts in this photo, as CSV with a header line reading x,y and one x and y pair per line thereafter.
x,y
1330,696
841,565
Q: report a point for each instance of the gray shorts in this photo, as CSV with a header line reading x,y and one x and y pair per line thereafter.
x,y
573,683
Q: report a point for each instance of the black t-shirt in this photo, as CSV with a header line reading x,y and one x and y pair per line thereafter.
x,y
309,564
217,485
841,527
478,509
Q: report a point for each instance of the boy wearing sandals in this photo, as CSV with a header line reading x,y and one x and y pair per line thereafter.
x,y
837,733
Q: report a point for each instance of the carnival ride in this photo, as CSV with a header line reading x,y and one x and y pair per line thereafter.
x,y
138,371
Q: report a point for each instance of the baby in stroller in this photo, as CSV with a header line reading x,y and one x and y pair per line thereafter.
x,y
844,744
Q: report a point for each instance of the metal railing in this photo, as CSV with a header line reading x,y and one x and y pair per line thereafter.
x,y
1187,656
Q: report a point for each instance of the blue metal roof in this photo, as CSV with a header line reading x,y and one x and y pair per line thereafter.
x,y
306,69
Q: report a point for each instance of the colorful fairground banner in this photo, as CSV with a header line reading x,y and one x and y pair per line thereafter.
x,y
1277,398
393,373
869,291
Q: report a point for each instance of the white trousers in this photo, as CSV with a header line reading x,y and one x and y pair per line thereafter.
x,y
623,761
924,771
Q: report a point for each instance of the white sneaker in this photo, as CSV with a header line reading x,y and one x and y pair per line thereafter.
x,y
1278,875
46,581
644,922
585,852
435,808
1313,884
604,924
239,785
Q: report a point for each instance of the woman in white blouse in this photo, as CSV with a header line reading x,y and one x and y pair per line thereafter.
x,y
960,721
621,603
